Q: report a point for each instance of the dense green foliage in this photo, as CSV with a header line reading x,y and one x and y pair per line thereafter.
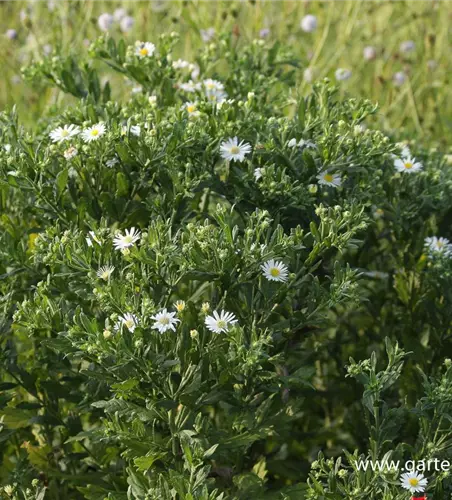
x,y
347,358
406,68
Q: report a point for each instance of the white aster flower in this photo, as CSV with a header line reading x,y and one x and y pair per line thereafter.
x,y
123,241
112,162
219,323
25,14
144,49
191,109
399,78
369,53
134,130
214,90
119,13
126,24
414,482
210,84
70,153
216,96
105,272
309,23
232,149
257,174
306,144
182,64
407,46
404,151
129,320
308,75
275,270
328,179
342,74
91,237
190,86
437,246
221,103
164,321
93,133
207,35
407,164
11,34
105,21
64,133
195,72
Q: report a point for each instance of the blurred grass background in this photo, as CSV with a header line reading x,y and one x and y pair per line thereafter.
x,y
420,107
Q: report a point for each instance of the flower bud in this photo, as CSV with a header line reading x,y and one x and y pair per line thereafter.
x,y
11,34
369,53
309,23
399,78
105,21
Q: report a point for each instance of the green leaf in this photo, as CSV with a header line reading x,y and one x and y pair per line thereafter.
x,y
145,463
122,186
208,453
61,181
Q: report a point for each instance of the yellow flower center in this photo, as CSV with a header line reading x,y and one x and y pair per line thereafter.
x,y
440,244
235,150
144,51
328,178
275,272
129,323
222,323
408,165
105,275
191,108
128,239
164,320
180,307
64,133
413,481
95,132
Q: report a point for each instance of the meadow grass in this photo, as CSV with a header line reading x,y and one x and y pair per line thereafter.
x,y
419,107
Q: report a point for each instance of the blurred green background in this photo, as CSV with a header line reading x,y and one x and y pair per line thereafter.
x,y
398,52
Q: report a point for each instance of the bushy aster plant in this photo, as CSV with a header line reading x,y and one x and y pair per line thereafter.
x,y
187,271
